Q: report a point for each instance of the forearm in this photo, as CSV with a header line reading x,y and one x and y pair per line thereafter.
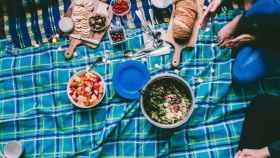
x,y
245,25
238,25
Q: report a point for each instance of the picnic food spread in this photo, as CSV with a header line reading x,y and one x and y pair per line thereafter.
x,y
87,19
86,89
38,111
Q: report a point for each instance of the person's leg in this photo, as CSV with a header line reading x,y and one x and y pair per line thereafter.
x,y
253,128
261,126
272,58
249,65
269,112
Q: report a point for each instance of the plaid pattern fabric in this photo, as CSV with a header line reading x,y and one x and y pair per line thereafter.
x,y
31,22
35,110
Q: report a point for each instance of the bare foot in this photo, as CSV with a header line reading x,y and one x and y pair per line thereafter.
x,y
228,30
238,41
237,155
256,153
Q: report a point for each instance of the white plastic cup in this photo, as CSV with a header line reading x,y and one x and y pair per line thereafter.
x,y
13,149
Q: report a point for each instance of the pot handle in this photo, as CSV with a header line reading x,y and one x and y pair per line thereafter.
x,y
141,91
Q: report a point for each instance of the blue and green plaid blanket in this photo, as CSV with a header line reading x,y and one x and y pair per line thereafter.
x,y
31,22
34,107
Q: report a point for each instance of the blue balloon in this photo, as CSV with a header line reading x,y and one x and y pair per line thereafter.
x,y
249,65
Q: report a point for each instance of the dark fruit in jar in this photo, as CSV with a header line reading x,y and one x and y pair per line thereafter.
x,y
117,35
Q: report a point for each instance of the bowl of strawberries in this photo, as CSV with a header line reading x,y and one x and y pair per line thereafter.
x,y
86,89
120,7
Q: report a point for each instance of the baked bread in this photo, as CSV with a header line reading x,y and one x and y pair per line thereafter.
x,y
184,19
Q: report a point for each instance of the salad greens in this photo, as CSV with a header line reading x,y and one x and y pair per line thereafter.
x,y
166,101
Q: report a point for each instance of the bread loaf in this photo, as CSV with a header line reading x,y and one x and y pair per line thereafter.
x,y
184,19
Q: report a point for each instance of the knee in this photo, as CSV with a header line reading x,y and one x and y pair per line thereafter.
x,y
249,65
259,104
259,101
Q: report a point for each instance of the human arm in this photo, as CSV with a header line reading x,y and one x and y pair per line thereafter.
x,y
211,11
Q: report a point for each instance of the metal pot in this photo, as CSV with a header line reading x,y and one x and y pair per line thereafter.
x,y
188,90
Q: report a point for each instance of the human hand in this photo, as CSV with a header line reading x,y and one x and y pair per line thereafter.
x,y
228,30
237,41
210,12
253,153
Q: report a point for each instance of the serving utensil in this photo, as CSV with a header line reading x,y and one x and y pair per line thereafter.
x,y
132,53
158,52
157,42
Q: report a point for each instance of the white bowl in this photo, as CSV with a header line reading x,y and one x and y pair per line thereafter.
x,y
68,89
188,90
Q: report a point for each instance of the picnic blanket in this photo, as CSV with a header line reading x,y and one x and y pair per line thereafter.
x,y
35,110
